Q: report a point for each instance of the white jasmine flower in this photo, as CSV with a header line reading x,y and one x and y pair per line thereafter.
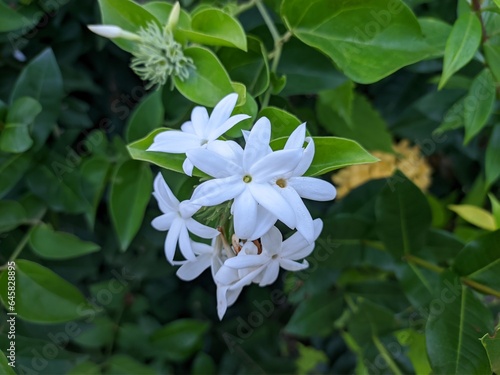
x,y
293,186
177,219
247,180
262,265
112,31
201,132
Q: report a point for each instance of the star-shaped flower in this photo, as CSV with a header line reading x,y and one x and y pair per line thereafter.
x,y
201,132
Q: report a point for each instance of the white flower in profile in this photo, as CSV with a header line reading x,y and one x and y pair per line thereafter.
x,y
293,187
201,132
177,219
262,265
246,179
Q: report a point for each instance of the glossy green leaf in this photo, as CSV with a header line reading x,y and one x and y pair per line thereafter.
x,y
492,163
250,67
42,296
370,320
479,104
366,126
361,51
179,340
12,214
454,328
283,123
4,365
41,80
495,208
121,364
417,283
475,215
130,193
147,116
94,172
341,101
492,54
173,162
461,45
492,346
15,137
332,153
209,82
436,33
311,315
60,193
211,26
23,110
12,170
480,260
50,244
403,216
11,20
128,15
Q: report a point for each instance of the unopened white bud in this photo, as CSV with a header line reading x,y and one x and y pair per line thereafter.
x,y
111,32
173,18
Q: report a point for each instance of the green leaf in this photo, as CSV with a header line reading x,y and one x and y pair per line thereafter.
x,y
11,20
403,216
203,364
128,15
85,368
98,334
161,11
12,214
341,101
479,104
475,215
479,260
492,54
332,153
309,359
250,68
211,26
366,126
492,346
250,108
283,123
461,45
417,283
24,110
94,178
315,316
129,196
492,164
361,51
436,33
147,116
495,207
179,340
453,330
41,80
371,320
121,364
165,160
4,363
50,244
209,82
42,296
417,352
12,170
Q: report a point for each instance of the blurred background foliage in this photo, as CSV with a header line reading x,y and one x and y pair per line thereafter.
x,y
405,275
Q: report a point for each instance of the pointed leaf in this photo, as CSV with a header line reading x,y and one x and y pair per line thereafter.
x,y
492,164
146,117
475,215
12,214
492,346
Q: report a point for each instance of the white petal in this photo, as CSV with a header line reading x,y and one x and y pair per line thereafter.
x,y
299,254
297,243
221,300
172,238
188,127
307,158
313,188
185,244
201,230
270,274
222,111
201,248
212,163
265,220
214,192
272,240
271,200
199,119
227,149
245,261
257,145
225,126
296,139
166,199
163,222
290,265
187,167
245,214
226,276
192,269
175,142
304,221
278,163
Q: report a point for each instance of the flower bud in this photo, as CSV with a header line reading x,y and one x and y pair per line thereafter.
x,y
111,32
173,18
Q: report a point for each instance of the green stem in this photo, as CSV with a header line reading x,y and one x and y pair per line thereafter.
x,y
20,246
423,263
385,354
480,287
269,22
244,7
